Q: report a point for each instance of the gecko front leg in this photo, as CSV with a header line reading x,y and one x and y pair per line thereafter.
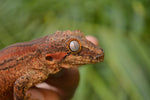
x,y
26,81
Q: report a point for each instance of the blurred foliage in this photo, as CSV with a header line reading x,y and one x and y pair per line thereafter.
x,y
123,30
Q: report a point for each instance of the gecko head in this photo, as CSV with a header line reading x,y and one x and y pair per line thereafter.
x,y
71,48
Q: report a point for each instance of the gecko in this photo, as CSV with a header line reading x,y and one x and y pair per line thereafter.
x,y
23,65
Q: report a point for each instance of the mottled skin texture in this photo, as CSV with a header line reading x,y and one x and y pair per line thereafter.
x,y
23,65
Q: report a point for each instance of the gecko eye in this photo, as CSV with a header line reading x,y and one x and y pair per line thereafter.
x,y
74,46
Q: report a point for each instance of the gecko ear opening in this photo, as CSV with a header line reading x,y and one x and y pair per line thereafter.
x,y
74,46
49,58
58,56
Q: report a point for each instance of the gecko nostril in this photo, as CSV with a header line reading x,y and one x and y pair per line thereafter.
x,y
102,50
49,58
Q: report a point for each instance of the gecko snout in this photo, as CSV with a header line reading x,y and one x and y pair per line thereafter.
x,y
100,56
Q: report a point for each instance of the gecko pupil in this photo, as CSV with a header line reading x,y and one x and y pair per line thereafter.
x,y
74,46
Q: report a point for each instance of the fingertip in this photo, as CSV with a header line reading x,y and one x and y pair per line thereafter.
x,y
42,94
92,39
35,94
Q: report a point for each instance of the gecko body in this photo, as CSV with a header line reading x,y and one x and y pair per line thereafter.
x,y
23,65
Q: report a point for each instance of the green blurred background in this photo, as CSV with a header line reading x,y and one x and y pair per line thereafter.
x,y
121,26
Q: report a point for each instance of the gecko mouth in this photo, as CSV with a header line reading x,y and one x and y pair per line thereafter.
x,y
89,59
81,60
99,58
